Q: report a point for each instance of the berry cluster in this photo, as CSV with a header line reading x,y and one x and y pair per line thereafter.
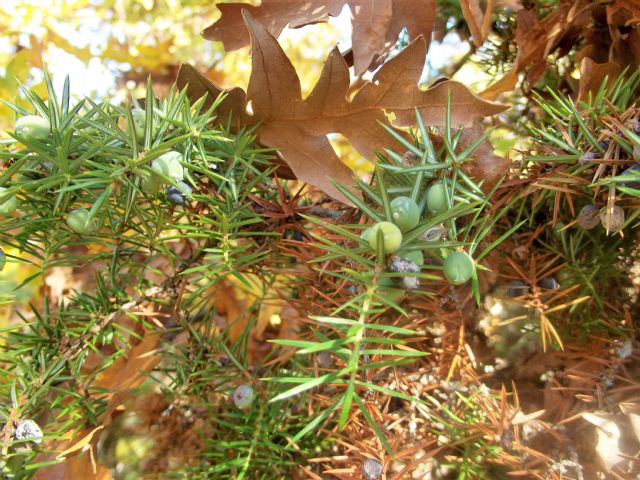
x,y
406,214
166,170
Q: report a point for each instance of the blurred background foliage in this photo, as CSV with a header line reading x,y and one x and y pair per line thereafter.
x,y
110,47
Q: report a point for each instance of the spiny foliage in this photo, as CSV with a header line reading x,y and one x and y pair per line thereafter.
x,y
229,324
146,263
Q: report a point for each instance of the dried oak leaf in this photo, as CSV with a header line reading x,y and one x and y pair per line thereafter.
x,y
77,461
623,12
74,468
376,23
623,19
232,107
537,38
478,22
298,127
606,33
592,75
486,165
129,371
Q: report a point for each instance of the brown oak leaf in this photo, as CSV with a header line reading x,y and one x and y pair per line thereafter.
x,y
592,75
298,127
376,23
606,34
486,165
537,38
233,106
479,22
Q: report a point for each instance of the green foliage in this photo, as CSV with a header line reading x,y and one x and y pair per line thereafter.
x,y
133,253
171,231
583,199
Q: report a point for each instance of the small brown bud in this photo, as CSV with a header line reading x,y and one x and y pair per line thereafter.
x,y
612,218
588,217
410,159
372,469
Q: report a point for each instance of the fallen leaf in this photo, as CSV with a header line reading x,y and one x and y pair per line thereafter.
x,y
623,19
298,127
609,438
417,16
79,465
243,302
376,23
623,12
74,468
273,14
506,83
232,108
530,38
486,165
129,370
632,410
537,38
607,34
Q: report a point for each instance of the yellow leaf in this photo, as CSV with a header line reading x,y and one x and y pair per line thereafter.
x,y
83,54
82,444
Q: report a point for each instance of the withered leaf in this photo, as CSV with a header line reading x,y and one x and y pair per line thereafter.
x,y
592,75
73,468
623,19
376,23
623,12
298,127
233,106
130,371
538,38
606,33
485,165
230,29
477,21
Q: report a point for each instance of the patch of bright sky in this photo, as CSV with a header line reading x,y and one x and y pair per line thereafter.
x,y
93,78
442,54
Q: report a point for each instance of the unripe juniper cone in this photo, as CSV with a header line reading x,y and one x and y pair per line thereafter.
x,y
32,127
459,268
405,213
78,221
390,235
436,199
168,164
